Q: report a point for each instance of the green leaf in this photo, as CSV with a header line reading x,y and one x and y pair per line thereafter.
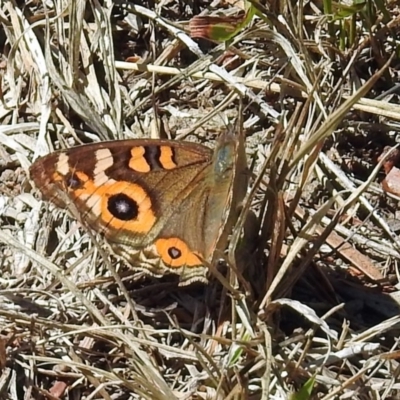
x,y
305,392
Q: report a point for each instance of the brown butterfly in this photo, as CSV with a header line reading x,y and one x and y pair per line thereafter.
x,y
164,206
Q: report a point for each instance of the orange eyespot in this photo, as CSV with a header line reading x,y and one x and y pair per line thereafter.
x,y
175,253
120,205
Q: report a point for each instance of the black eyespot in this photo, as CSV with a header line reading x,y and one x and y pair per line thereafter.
x,y
73,182
174,253
123,207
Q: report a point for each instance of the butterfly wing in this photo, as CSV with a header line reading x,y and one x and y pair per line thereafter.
x,y
160,204
205,213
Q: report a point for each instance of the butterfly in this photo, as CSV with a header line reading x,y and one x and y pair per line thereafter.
x,y
164,206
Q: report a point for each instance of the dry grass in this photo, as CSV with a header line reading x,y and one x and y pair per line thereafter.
x,y
314,311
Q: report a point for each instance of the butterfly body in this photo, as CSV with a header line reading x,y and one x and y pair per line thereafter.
x,y
164,206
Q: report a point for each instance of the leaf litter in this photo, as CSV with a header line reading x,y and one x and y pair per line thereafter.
x,y
310,305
